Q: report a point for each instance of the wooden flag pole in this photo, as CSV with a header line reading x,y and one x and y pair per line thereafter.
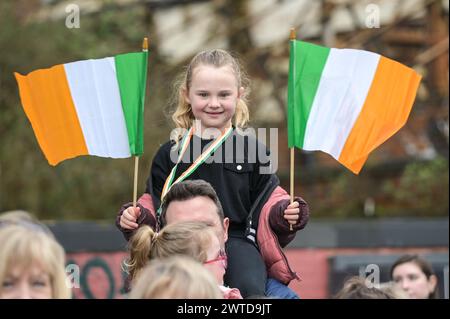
x,y
292,38
136,158
136,166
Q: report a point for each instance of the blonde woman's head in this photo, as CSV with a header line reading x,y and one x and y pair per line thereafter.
x,y
17,216
177,277
24,218
31,263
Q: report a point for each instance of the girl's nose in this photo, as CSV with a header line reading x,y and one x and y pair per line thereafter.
x,y
214,102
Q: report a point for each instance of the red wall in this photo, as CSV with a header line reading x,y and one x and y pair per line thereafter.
x,y
100,274
312,266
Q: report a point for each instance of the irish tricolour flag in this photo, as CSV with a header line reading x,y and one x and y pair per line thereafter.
x,y
346,102
91,107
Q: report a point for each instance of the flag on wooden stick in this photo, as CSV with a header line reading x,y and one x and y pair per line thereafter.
x,y
91,107
346,102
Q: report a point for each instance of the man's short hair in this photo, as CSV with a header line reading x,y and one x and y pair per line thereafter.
x,y
190,189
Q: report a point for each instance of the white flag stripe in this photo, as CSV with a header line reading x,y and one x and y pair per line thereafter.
x,y
342,91
95,93
80,78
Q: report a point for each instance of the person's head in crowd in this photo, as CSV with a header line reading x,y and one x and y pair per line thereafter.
x,y
24,218
31,263
415,276
356,288
197,240
17,215
194,200
176,277
392,289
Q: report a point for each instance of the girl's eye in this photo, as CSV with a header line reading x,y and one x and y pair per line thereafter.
x,y
203,94
225,94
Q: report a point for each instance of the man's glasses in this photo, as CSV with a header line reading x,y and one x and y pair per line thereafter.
x,y
222,257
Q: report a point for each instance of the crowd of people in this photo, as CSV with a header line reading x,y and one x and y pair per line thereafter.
x,y
185,259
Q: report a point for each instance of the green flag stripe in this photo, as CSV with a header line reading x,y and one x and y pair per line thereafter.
x,y
131,70
306,64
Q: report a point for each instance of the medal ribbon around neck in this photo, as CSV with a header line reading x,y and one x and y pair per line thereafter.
x,y
199,161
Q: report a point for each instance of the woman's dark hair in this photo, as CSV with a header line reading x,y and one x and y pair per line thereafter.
x,y
423,264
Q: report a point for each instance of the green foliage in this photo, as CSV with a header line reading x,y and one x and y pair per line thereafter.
x,y
422,190
343,196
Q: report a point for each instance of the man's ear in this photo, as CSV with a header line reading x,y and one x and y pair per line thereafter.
x,y
226,224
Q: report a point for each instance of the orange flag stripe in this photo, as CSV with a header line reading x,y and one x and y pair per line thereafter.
x,y
49,87
385,111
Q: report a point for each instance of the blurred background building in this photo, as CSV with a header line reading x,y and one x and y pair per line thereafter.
x,y
398,203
